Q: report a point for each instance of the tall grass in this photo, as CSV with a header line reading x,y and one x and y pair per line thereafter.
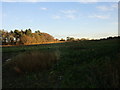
x,y
93,64
33,61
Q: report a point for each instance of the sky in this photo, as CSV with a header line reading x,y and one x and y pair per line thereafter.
x,y
62,19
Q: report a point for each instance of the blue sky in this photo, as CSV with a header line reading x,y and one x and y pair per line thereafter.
x,y
62,19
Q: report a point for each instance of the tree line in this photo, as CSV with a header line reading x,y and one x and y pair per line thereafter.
x,y
18,37
24,37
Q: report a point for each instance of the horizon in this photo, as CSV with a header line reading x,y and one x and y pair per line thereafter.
x,y
65,37
63,19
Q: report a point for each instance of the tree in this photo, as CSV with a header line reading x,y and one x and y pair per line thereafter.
x,y
56,39
70,39
37,31
83,39
22,32
11,32
12,40
25,37
62,39
77,39
17,34
28,32
47,37
4,36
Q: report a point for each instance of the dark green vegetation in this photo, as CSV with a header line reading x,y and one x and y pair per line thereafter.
x,y
82,64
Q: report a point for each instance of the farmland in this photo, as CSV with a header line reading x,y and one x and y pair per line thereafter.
x,y
78,64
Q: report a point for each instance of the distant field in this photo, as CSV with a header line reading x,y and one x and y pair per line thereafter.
x,y
81,64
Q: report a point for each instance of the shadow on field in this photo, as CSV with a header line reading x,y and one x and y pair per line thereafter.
x,y
33,61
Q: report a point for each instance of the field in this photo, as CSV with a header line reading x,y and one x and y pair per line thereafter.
x,y
81,64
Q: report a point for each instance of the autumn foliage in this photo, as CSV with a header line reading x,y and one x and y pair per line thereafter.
x,y
24,37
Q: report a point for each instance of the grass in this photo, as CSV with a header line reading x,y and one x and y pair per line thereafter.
x,y
84,64
33,61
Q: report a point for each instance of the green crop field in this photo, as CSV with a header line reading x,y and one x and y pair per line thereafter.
x,y
82,64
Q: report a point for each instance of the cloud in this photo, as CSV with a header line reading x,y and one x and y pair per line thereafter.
x,y
104,8
68,11
114,6
63,14
56,17
107,8
43,8
100,16
71,16
115,23
88,1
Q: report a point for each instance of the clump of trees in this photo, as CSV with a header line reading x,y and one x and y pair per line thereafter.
x,y
73,39
62,39
24,37
70,39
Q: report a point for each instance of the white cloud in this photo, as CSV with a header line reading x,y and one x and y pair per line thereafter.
x,y
71,16
56,17
43,8
104,8
115,23
63,14
107,8
100,16
88,1
68,11
114,6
